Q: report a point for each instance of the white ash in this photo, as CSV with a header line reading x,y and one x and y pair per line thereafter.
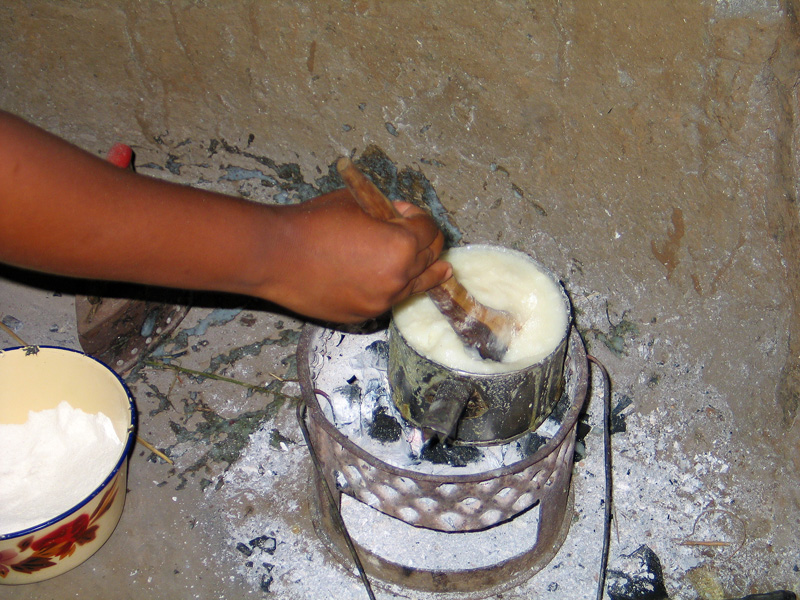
x,y
299,566
352,371
661,493
429,549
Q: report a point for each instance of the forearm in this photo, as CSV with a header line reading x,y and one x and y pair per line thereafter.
x,y
65,211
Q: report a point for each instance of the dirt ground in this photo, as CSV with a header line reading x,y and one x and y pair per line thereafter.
x,y
645,152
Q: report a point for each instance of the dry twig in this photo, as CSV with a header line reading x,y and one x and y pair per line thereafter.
x,y
154,450
688,541
251,386
14,336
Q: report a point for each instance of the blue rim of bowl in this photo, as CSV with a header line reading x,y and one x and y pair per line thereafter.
x,y
123,457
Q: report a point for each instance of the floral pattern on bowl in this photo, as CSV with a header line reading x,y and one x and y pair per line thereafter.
x,y
58,544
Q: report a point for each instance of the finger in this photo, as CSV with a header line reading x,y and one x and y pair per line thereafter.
x,y
407,209
418,217
436,274
425,231
426,257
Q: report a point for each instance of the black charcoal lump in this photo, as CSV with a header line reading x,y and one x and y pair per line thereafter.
x,y
640,577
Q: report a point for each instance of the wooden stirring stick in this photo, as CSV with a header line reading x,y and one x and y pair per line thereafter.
x,y
487,330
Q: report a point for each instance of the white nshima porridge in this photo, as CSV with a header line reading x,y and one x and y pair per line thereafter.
x,y
501,279
51,462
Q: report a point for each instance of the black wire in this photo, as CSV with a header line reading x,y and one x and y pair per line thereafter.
x,y
334,506
608,479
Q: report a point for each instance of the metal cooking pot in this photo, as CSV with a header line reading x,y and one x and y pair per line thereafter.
x,y
470,408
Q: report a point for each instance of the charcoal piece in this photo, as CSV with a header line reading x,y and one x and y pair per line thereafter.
x,y
244,549
529,444
582,429
380,350
445,454
351,392
624,402
618,423
266,581
265,543
642,578
384,427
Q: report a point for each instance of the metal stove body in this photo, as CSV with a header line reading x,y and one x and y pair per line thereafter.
x,y
457,503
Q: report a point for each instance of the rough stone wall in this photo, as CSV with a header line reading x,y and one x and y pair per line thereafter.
x,y
643,150
646,151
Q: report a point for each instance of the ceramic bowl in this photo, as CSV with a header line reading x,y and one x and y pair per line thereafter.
x,y
39,378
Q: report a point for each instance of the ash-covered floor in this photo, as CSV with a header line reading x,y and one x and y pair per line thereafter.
x,y
645,152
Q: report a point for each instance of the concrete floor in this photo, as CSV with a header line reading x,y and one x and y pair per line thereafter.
x,y
646,152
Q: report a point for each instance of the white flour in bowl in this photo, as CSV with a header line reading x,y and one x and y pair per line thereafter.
x,y
52,462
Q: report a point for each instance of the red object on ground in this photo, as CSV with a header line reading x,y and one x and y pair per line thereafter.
x,y
120,155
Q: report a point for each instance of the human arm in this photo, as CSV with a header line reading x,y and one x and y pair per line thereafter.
x,y
65,211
